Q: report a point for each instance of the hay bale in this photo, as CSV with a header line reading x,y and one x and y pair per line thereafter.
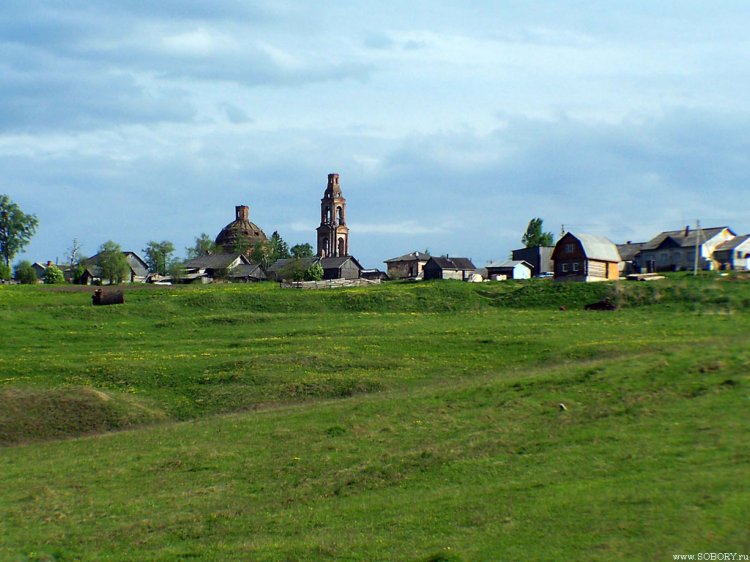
x,y
101,297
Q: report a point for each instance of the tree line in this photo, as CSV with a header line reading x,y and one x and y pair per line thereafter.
x,y
17,228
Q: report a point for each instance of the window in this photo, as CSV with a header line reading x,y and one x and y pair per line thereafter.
x,y
575,266
565,267
570,248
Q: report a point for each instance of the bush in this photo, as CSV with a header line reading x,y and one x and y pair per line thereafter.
x,y
53,275
25,273
5,272
314,272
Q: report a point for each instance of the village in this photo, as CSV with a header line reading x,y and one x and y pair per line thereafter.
x,y
242,252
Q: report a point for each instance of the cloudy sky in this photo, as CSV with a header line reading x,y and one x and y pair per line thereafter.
x,y
452,123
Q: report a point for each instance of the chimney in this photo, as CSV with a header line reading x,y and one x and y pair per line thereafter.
x,y
243,213
687,230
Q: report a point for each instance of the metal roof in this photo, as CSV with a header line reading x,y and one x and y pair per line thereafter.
x,y
597,247
685,238
214,261
420,256
508,264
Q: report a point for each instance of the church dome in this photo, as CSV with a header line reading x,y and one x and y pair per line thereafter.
x,y
240,233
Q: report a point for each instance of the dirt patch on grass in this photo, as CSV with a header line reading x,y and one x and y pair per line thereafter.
x,y
31,414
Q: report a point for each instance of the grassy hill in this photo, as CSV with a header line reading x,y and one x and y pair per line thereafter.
x,y
400,422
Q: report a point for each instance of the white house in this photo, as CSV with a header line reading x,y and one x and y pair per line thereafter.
x,y
509,269
734,253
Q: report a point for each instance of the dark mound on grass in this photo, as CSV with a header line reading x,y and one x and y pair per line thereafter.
x,y
28,414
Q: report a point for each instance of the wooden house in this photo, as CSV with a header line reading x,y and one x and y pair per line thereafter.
x,y
449,268
338,267
92,273
585,257
246,273
40,269
408,266
205,269
675,250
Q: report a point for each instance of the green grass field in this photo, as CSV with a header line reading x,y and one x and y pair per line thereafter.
x,y
399,422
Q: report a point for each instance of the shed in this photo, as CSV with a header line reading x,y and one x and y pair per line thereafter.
x,y
509,269
538,257
342,267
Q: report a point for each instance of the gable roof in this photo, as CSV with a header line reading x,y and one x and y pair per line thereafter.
x,y
337,262
628,251
733,243
453,263
685,238
137,266
508,264
280,264
244,270
413,256
215,261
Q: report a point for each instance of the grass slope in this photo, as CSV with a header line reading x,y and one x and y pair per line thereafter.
x,y
408,422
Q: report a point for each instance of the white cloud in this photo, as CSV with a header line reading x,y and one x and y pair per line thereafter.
x,y
452,125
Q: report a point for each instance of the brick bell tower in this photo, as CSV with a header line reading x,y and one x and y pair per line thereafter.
x,y
333,234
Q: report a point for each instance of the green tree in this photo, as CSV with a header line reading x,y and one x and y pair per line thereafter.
x,y
25,273
535,235
5,272
176,271
78,274
294,270
159,256
242,246
314,272
112,262
301,251
53,275
16,229
261,254
204,246
279,248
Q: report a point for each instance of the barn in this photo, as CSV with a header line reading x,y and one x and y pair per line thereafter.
x,y
585,257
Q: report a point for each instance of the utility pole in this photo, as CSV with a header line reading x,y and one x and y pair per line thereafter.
x,y
697,245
